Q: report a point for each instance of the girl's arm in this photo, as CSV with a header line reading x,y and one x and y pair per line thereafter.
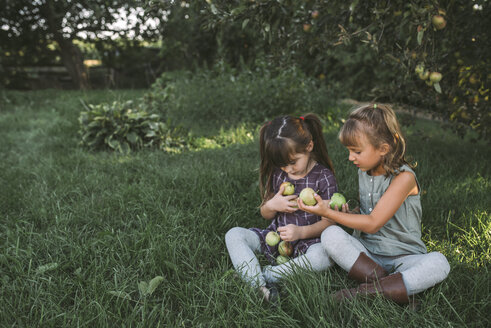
x,y
402,186
292,232
278,203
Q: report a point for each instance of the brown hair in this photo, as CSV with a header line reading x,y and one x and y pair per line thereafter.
x,y
282,138
379,124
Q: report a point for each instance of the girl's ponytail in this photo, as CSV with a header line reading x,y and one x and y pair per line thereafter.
x,y
265,167
320,152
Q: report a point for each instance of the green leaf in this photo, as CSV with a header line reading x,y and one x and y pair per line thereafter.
x,y
124,148
420,36
114,144
153,125
46,267
132,137
120,294
437,87
245,22
143,287
213,9
153,284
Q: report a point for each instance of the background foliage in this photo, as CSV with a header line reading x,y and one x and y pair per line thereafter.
x,y
362,50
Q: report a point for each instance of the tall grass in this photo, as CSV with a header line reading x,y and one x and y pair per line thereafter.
x,y
80,230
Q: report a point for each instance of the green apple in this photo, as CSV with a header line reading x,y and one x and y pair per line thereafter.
x,y
419,68
435,77
307,196
338,200
285,248
439,22
272,238
281,259
425,75
289,188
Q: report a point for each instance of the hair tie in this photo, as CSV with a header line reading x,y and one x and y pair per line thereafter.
x,y
302,118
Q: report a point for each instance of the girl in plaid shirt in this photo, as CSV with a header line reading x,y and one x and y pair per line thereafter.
x,y
292,149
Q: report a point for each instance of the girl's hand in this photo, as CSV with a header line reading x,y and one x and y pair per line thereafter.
x,y
320,209
344,208
290,232
280,203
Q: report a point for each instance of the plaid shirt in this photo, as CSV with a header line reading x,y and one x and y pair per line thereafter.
x,y
323,181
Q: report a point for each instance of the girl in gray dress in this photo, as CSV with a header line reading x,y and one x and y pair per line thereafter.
x,y
292,149
387,229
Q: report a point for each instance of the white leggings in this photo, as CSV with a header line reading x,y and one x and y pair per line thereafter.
x,y
243,244
419,272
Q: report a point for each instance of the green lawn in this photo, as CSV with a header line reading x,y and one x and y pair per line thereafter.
x,y
81,230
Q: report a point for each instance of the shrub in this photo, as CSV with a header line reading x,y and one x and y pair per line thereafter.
x,y
207,100
122,126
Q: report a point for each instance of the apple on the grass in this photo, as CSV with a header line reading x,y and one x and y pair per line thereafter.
x,y
338,200
307,196
282,259
272,238
285,248
289,188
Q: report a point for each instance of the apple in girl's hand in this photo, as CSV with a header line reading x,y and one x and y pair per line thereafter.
x,y
272,238
285,248
282,259
338,200
289,188
307,196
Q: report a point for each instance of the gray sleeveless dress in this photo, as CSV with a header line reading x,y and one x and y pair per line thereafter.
x,y
401,235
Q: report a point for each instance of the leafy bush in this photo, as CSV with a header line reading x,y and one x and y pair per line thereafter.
x,y
206,109
122,126
224,97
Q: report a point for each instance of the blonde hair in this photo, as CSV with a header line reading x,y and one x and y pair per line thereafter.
x,y
379,124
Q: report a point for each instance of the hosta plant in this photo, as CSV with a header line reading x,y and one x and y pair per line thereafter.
x,y
123,126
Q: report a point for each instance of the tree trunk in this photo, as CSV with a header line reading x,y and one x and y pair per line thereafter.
x,y
70,54
74,63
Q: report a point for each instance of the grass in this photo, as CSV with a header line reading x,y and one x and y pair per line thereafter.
x,y
80,230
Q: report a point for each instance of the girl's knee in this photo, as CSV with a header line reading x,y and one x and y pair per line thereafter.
x,y
233,234
440,262
331,232
330,237
318,258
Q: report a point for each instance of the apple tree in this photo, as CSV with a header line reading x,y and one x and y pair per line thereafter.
x,y
432,54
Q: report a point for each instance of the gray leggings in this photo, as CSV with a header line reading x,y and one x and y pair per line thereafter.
x,y
243,244
419,272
